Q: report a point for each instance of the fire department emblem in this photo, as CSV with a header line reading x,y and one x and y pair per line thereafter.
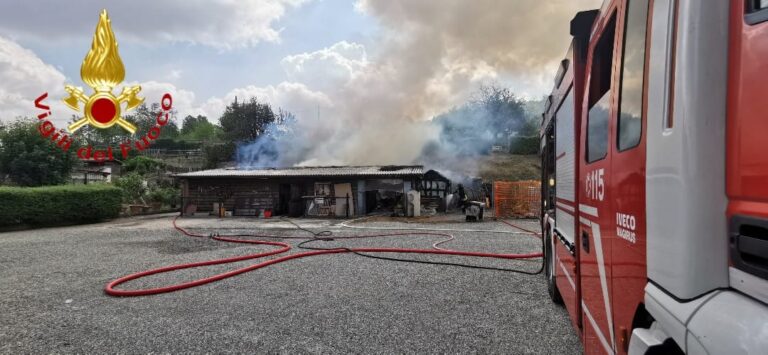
x,y
102,70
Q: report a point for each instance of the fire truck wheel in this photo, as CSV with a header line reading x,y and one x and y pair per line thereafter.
x,y
549,269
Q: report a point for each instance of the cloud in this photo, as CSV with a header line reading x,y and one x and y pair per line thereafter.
x,y
328,66
223,24
294,97
184,101
24,78
174,74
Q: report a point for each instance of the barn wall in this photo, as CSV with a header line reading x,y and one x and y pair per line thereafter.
x,y
251,195
247,193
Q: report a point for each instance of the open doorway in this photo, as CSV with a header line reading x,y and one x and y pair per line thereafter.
x,y
284,199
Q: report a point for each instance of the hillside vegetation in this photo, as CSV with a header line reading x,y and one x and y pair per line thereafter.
x,y
509,167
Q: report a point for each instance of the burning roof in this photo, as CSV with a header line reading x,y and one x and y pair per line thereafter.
x,y
315,171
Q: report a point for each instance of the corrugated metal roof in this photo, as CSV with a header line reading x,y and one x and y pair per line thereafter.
x,y
319,171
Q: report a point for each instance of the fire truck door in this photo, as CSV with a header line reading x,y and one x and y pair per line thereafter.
x,y
595,213
627,189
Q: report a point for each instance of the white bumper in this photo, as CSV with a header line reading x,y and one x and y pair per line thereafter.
x,y
721,322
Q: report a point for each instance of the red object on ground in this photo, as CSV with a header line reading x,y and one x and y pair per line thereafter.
x,y
267,213
534,233
283,247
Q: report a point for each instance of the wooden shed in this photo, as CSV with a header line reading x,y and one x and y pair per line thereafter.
x,y
329,191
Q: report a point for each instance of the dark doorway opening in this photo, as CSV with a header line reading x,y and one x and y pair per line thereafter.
x,y
295,202
284,199
371,202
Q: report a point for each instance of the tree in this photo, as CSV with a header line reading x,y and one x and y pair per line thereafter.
x,y
492,117
102,137
504,111
171,129
191,122
244,122
28,159
218,153
197,129
144,118
251,125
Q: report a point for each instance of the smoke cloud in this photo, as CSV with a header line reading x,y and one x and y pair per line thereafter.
x,y
431,57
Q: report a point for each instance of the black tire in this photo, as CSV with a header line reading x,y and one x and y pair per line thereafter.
x,y
549,271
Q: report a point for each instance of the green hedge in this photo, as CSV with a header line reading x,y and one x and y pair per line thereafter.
x,y
53,205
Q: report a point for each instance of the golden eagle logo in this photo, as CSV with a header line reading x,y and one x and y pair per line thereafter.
x,y
102,70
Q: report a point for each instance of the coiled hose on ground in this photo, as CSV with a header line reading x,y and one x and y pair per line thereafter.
x,y
313,251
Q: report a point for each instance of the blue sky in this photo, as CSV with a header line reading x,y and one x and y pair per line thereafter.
x,y
210,71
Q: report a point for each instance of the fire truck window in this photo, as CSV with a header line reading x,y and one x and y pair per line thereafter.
x,y
600,94
632,74
756,11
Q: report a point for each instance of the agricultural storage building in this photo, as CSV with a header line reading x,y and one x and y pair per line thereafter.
x,y
333,191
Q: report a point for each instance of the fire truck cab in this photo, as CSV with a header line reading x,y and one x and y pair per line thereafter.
x,y
654,148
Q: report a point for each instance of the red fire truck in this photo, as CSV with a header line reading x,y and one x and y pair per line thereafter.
x,y
654,146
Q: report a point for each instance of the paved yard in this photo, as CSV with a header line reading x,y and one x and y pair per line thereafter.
x,y
52,300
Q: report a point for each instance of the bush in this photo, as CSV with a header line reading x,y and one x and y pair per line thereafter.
x,y
52,205
142,165
524,145
133,187
217,154
32,160
165,195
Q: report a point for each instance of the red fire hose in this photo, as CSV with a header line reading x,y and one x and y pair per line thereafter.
x,y
521,228
284,247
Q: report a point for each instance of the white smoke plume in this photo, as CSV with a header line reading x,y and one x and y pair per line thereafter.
x,y
433,54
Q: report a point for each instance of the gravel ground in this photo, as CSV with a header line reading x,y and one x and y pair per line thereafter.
x,y
52,299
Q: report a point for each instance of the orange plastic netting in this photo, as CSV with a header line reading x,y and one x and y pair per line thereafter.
x,y
517,198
